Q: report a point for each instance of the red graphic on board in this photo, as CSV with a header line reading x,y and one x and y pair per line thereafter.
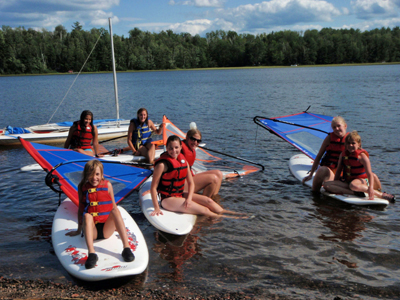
x,y
77,257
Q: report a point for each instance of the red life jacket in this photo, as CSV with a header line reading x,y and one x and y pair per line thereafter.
x,y
352,167
172,182
335,147
189,154
97,201
82,139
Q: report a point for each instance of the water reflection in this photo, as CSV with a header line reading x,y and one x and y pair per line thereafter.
x,y
345,224
177,250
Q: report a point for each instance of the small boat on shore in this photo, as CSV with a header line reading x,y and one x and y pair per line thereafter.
x,y
58,132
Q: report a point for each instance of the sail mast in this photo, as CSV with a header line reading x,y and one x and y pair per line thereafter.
x,y
114,71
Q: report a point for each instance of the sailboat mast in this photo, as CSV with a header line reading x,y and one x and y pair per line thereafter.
x,y
114,71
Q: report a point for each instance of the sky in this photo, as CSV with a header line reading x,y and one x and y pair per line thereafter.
x,y
201,16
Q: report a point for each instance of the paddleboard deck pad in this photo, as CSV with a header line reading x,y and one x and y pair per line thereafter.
x,y
72,251
301,164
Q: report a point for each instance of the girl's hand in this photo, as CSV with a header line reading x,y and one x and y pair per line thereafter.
x,y
187,203
73,233
371,192
307,178
156,212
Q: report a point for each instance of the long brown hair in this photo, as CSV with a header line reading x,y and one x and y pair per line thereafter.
x,y
89,170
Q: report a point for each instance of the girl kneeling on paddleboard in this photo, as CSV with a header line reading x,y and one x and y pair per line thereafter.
x,y
331,148
357,173
98,215
171,171
139,135
83,136
208,181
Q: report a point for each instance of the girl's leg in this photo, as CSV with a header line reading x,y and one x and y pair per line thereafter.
x,y
90,232
337,187
377,183
360,185
90,153
322,175
148,151
212,205
209,182
177,204
115,222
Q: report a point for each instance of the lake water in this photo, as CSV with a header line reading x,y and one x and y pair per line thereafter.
x,y
298,245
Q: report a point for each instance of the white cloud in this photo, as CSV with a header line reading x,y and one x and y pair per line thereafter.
x,y
279,13
368,25
367,9
199,3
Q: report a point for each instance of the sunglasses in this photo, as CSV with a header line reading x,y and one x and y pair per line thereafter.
x,y
195,140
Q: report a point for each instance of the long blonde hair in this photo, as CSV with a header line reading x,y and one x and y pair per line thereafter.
x,y
89,170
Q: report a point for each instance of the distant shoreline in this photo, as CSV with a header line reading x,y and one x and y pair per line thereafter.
x,y
212,69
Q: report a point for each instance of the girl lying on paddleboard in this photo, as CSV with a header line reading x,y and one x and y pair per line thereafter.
x,y
98,215
83,134
171,171
357,173
208,181
331,148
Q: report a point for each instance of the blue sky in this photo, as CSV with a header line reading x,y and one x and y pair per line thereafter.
x,y
201,16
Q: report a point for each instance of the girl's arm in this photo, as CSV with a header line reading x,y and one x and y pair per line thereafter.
x,y
68,140
96,142
317,159
190,181
111,193
367,166
154,128
339,168
80,214
132,127
158,171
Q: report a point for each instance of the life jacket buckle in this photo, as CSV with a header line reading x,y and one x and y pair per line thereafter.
x,y
94,214
93,190
94,203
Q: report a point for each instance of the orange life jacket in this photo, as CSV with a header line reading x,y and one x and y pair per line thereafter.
x,y
335,147
189,154
352,167
97,201
172,182
82,139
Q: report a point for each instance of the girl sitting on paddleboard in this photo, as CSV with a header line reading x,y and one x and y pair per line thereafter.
x,y
139,135
208,181
98,215
83,134
357,174
331,148
171,171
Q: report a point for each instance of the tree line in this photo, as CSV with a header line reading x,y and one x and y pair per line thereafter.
x,y
33,52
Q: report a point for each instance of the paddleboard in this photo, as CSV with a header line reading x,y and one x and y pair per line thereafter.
x,y
169,222
299,166
72,251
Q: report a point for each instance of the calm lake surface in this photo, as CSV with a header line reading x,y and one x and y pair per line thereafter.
x,y
298,245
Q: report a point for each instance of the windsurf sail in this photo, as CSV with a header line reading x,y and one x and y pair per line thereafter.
x,y
305,131
229,165
70,165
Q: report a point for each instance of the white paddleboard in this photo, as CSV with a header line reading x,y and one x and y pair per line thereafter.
x,y
72,251
170,222
301,164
